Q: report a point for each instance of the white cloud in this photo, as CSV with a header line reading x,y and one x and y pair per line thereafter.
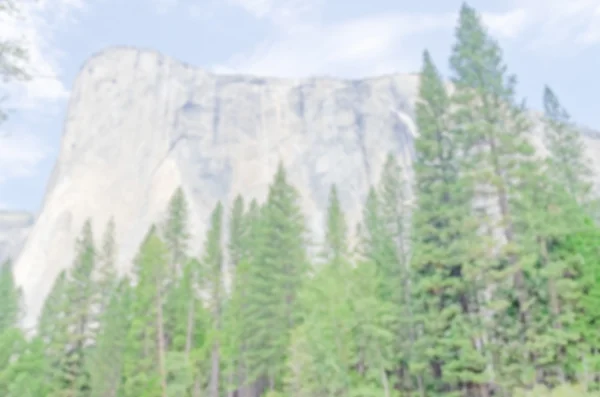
x,y
21,150
555,26
385,43
287,15
35,27
20,154
507,25
342,49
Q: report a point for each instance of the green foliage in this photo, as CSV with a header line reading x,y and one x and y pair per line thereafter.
x,y
336,246
106,360
275,275
175,229
480,279
13,53
566,390
10,299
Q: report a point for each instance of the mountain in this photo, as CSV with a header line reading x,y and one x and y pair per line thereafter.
x,y
14,228
140,124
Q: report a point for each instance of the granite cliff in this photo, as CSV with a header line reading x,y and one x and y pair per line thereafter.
x,y
14,228
140,124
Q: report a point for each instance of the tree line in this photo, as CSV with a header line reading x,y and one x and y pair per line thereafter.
x,y
478,277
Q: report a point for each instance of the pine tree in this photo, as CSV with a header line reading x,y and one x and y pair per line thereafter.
x,y
237,232
12,341
394,275
336,246
212,282
274,279
106,360
14,53
581,251
324,365
10,299
443,263
145,366
562,207
501,163
176,230
246,240
554,212
373,332
375,244
79,317
326,333
51,323
106,279
26,376
302,377
394,209
180,305
566,161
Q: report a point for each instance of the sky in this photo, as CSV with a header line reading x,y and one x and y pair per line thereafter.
x,y
554,42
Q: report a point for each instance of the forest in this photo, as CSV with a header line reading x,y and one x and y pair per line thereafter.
x,y
478,276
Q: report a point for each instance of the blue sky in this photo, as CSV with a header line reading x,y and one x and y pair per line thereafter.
x,y
545,41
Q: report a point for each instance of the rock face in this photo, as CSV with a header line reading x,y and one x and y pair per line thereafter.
x,y
14,228
141,124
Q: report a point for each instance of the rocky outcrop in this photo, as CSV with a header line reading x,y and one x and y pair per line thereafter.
x,y
14,228
141,124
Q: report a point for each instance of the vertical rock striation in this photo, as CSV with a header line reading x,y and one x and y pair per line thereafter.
x,y
141,124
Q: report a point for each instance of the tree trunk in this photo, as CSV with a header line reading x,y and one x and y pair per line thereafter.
x,y
214,372
554,307
385,383
197,387
190,328
161,340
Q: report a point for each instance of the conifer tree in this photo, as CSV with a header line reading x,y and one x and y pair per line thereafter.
x,y
336,247
274,279
26,376
324,366
51,327
145,366
487,285
501,164
12,340
375,245
373,332
106,270
326,333
237,232
301,376
443,260
176,229
246,240
212,283
106,360
79,317
182,279
560,209
567,162
10,298
394,209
